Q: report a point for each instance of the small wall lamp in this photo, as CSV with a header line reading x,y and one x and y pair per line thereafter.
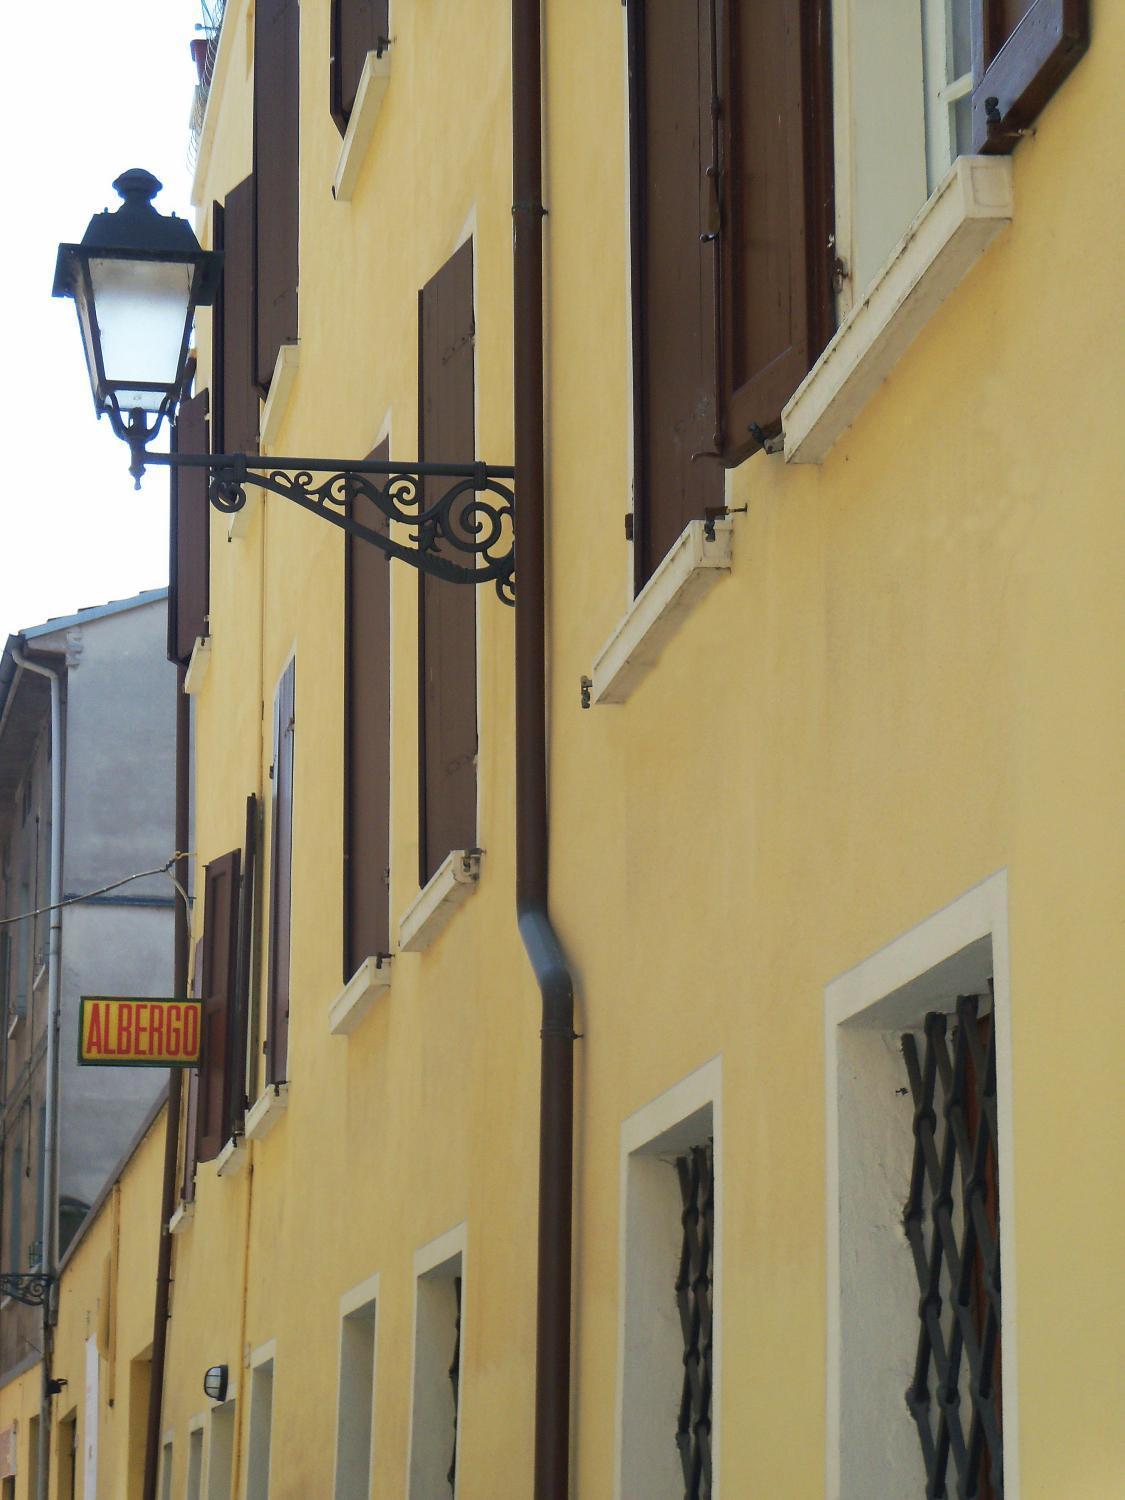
x,y
215,1382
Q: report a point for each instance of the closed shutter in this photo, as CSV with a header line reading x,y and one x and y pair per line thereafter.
x,y
447,648
777,312
190,530
240,1007
191,1107
358,27
281,880
235,393
277,33
220,944
367,738
1022,51
675,200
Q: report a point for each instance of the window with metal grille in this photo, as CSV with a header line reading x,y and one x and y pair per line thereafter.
x,y
952,1224
696,1172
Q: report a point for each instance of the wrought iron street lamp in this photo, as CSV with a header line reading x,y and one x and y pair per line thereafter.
x,y
136,279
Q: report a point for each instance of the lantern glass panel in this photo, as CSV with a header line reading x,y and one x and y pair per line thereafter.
x,y
142,312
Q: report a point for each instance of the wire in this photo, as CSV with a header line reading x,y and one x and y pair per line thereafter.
x,y
103,890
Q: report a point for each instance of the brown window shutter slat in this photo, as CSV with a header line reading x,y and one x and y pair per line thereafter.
x,y
358,27
190,530
367,738
239,393
277,35
447,649
281,879
1022,52
777,209
674,207
218,333
220,946
191,1108
240,1006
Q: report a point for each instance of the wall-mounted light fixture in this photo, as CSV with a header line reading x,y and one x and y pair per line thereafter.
x,y
137,278
215,1382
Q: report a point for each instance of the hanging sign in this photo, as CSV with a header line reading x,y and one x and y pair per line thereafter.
x,y
118,1031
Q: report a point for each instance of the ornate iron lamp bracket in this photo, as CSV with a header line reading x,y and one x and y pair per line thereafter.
x,y
464,536
32,1288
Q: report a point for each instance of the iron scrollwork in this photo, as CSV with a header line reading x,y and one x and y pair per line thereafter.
x,y
464,536
31,1288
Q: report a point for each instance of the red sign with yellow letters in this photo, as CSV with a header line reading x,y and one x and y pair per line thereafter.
x,y
130,1032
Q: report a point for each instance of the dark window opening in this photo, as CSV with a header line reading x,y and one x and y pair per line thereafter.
x,y
695,1301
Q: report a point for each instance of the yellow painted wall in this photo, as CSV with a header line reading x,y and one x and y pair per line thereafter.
x,y
911,679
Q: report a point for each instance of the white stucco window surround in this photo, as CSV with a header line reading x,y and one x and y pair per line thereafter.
x,y
198,666
650,1359
700,558
873,1298
451,885
355,1000
259,1442
954,228
266,1111
355,1390
369,98
439,1329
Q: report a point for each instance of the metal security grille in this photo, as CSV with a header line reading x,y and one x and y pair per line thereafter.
x,y
455,1382
952,1224
696,1172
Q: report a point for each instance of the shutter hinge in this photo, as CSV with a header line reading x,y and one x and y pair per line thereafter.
x,y
628,525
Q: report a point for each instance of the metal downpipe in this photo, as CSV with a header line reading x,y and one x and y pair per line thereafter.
x,y
556,1108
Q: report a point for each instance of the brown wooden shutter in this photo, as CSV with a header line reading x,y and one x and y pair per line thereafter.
x,y
220,946
281,879
235,392
777,180
190,531
277,83
358,27
1022,51
447,648
191,1107
367,739
240,1007
674,210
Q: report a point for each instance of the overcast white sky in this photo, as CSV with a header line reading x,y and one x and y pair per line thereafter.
x,y
91,90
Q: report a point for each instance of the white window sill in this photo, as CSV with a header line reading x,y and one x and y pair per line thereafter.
x,y
946,238
276,404
357,997
198,666
361,126
233,1157
689,572
429,913
181,1218
267,1109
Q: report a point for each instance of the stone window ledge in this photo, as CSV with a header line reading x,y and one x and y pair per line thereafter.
x,y
695,564
361,126
267,1109
431,910
198,666
233,1157
945,240
180,1220
356,999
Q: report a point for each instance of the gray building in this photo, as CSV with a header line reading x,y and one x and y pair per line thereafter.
x,y
118,736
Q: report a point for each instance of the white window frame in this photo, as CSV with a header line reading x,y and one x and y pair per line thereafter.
x,y
442,1259
682,1116
361,1303
871,1337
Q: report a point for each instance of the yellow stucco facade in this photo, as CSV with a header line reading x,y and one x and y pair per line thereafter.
x,y
908,684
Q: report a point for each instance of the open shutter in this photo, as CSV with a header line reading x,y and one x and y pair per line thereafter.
x,y
674,211
220,934
240,1007
777,221
190,531
367,738
191,1107
358,27
1022,51
235,391
447,650
281,880
277,32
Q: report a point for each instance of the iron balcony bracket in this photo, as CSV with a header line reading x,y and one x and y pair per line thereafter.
x,y
464,536
31,1288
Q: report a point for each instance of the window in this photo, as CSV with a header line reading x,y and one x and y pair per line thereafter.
x,y
194,1489
235,410
191,1106
356,1398
277,88
358,27
220,1458
281,878
220,947
435,1428
447,647
140,1387
15,1210
367,737
669,1345
919,1081
166,1456
261,1426
68,1457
